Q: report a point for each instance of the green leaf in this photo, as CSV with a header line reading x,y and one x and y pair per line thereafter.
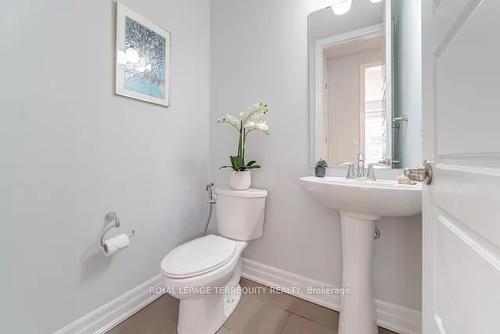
x,y
321,163
252,167
237,162
250,163
222,167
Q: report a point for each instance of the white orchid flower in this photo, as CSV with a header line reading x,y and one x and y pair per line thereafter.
x,y
263,127
229,119
254,112
260,126
250,125
250,120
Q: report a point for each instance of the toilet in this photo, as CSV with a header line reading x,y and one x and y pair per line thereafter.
x,y
204,273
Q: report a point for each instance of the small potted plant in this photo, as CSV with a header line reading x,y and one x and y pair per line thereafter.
x,y
320,168
247,122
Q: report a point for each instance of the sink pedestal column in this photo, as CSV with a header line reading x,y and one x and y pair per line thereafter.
x,y
357,311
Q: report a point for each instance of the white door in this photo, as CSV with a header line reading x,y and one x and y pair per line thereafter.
x,y
461,128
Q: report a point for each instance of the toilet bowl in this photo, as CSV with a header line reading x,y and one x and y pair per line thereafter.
x,y
204,273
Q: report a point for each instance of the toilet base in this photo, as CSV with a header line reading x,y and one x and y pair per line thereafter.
x,y
207,314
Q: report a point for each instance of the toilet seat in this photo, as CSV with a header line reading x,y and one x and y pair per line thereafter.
x,y
198,257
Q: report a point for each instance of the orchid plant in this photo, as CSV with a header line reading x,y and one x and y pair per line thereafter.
x,y
248,121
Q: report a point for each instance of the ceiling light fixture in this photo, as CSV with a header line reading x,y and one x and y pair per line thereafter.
x,y
375,1
340,7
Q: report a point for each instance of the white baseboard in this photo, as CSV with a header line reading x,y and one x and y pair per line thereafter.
x,y
111,314
394,317
397,318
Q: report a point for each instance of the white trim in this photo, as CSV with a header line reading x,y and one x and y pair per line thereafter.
x,y
277,278
393,317
354,35
111,314
389,80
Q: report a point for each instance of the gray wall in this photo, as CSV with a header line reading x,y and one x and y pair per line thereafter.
x,y
408,77
71,150
259,52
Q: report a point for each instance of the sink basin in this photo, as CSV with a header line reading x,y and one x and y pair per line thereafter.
x,y
382,198
361,202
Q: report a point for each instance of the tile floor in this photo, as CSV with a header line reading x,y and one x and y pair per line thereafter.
x,y
256,314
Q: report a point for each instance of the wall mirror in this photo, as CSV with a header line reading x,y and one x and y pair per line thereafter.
x,y
352,84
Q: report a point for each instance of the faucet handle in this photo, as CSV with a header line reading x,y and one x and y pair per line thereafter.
x,y
350,169
371,171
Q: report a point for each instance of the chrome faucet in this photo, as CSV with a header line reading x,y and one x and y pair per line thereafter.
x,y
371,171
360,170
350,169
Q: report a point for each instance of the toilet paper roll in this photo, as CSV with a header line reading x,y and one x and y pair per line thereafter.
x,y
115,244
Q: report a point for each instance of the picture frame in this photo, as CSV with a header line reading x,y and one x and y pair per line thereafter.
x,y
142,58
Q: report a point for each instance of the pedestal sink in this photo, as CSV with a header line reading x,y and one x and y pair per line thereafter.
x,y
360,203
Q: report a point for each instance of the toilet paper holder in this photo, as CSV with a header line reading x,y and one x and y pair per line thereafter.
x,y
111,216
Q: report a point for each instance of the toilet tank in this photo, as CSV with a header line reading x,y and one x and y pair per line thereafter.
x,y
240,213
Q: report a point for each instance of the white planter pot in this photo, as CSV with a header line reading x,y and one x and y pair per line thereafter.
x,y
240,180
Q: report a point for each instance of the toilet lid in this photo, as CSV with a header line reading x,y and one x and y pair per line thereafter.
x,y
198,256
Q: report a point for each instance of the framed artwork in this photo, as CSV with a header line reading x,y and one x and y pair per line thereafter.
x,y
142,58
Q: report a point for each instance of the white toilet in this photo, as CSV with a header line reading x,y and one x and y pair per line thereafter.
x,y
204,273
